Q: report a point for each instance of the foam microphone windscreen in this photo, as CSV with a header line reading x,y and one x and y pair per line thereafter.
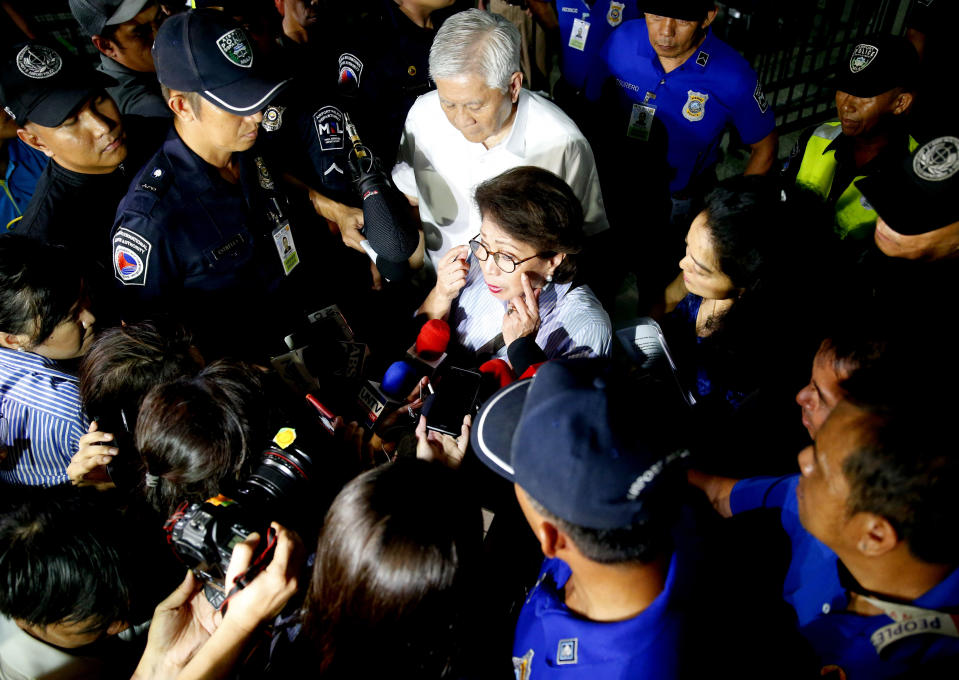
x,y
433,339
387,222
499,371
399,379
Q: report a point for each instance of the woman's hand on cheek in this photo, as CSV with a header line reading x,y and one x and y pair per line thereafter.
x,y
522,315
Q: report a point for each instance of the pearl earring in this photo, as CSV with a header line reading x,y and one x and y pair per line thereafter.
x,y
549,278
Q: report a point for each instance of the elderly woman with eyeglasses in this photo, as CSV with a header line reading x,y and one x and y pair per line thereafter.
x,y
511,293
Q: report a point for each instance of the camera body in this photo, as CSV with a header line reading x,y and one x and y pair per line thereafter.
x,y
203,535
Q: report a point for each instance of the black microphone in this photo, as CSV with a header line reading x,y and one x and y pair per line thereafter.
x,y
387,223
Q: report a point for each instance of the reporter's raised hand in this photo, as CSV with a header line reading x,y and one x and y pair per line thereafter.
x,y
431,445
265,596
88,465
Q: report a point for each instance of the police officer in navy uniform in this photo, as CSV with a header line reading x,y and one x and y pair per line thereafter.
x,y
200,234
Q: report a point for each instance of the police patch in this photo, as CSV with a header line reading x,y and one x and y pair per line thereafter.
x,y
351,70
236,47
938,160
38,62
131,257
615,14
862,56
522,666
329,128
272,118
702,58
566,651
695,107
760,98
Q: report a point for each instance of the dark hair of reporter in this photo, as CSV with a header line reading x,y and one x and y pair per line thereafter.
x,y
535,206
126,362
395,572
70,555
39,286
775,245
196,434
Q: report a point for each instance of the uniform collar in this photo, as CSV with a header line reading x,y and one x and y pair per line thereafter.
x,y
516,141
32,361
699,60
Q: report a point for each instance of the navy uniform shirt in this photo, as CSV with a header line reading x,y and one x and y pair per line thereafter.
x,y
188,243
716,87
813,588
580,44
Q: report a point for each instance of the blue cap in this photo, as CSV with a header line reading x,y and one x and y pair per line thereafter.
x,y
589,449
205,51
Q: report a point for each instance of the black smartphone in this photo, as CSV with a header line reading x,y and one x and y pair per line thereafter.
x,y
455,397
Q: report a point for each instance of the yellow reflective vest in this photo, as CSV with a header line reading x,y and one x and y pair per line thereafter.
x,y
855,218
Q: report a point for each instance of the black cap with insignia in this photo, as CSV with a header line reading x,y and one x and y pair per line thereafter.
x,y
205,51
919,195
878,64
38,83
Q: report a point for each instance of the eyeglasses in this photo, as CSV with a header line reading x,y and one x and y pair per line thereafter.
x,y
502,260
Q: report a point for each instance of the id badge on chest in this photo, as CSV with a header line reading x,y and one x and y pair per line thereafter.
x,y
577,39
285,248
641,121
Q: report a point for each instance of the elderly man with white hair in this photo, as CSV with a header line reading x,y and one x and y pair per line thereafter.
x,y
478,123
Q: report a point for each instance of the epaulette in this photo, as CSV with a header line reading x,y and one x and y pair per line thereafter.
x,y
156,177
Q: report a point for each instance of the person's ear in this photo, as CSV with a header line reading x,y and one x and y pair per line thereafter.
x,y
13,341
876,535
30,137
710,16
515,85
105,46
181,107
902,103
116,627
555,261
549,537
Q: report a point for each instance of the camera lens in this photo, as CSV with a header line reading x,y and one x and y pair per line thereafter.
x,y
279,475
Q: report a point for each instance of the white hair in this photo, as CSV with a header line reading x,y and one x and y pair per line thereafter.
x,y
474,41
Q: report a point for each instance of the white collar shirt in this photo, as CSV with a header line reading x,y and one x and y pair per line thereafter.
x,y
441,169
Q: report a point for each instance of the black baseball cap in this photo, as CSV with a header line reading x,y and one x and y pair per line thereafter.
x,y
579,443
40,84
878,64
687,10
94,15
918,195
205,51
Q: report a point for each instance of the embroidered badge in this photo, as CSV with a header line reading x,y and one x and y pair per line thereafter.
x,y
263,173
566,651
862,56
333,168
329,128
702,58
695,107
938,160
158,173
760,98
411,70
272,118
351,70
615,14
131,257
522,665
236,47
38,62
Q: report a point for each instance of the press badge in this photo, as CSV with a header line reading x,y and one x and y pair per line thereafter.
x,y
641,122
283,238
577,39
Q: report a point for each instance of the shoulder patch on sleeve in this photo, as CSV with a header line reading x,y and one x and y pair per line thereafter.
x,y
760,98
131,257
329,128
351,70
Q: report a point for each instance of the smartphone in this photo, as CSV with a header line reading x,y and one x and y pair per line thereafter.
x,y
455,397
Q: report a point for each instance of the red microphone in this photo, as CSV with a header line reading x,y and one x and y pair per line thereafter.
x,y
433,339
499,371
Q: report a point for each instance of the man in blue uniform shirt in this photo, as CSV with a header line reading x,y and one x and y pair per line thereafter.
x,y
600,492
873,579
200,233
671,69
